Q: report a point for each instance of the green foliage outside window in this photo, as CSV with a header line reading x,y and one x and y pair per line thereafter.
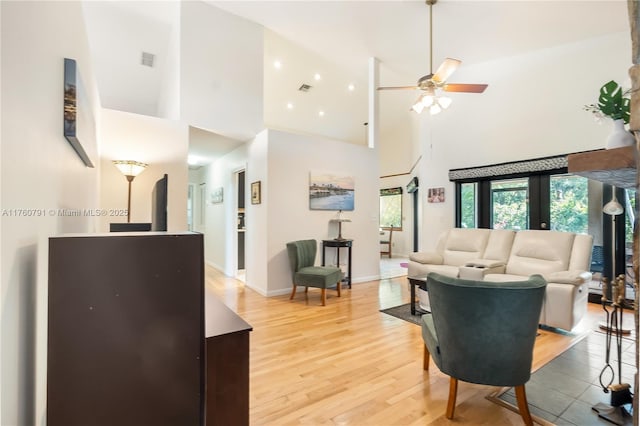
x,y
510,201
468,206
391,208
569,204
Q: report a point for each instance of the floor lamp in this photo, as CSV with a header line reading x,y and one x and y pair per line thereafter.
x,y
620,393
130,169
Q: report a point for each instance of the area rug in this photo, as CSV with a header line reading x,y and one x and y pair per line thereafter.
x,y
403,312
564,390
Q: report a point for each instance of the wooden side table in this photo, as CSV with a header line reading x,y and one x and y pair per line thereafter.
x,y
338,244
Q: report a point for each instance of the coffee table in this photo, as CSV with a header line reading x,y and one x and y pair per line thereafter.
x,y
414,282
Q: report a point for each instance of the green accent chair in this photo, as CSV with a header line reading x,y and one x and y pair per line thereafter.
x,y
483,332
302,256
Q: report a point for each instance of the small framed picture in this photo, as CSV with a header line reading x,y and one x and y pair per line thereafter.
x,y
435,195
255,193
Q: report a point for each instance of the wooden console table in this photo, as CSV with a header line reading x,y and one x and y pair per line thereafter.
x,y
227,365
338,244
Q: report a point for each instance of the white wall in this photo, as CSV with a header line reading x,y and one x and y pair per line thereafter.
x,y
283,214
256,215
531,109
169,96
290,159
220,246
160,143
40,170
221,71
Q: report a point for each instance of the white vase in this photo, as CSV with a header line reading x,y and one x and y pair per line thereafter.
x,y
619,136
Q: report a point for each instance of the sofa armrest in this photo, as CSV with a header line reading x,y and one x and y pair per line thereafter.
x,y
569,277
427,257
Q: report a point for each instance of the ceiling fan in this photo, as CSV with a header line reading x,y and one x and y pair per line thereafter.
x,y
431,82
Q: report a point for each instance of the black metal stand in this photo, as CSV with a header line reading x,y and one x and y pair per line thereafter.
x,y
620,393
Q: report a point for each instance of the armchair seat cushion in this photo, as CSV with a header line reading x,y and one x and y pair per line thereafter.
x,y
318,276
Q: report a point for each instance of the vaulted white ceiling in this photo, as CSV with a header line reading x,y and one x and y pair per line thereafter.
x,y
336,39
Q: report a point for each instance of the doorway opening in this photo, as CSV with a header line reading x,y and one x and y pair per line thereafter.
x,y
240,225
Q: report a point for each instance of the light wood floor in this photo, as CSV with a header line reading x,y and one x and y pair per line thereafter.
x,y
349,364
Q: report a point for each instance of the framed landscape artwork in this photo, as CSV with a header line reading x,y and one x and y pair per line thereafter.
x,y
331,191
79,126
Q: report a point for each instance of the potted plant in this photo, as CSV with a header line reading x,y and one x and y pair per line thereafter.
x,y
614,102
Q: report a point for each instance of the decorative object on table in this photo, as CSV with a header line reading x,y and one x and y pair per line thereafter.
x,y
435,195
620,392
130,169
331,191
256,196
339,220
431,84
78,120
217,195
614,103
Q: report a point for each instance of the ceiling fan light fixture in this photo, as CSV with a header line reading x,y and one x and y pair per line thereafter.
x,y
428,100
444,102
435,109
418,106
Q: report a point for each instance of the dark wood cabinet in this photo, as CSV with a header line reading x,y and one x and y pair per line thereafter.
x,y
126,334
227,356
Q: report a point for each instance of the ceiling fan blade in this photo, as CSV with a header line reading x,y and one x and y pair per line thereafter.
x,y
445,70
468,88
399,88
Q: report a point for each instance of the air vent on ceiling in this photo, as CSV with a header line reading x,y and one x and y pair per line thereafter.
x,y
304,88
148,59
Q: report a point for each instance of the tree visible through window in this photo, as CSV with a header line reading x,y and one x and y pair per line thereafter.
x,y
391,208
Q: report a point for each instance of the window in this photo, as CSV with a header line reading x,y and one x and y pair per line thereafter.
x,y
510,204
468,205
569,203
391,208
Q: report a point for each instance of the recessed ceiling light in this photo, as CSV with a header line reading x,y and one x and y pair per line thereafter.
x,y
277,65
317,76
351,87
321,113
289,105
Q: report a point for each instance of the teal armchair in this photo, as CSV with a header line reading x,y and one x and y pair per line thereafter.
x,y
302,256
483,332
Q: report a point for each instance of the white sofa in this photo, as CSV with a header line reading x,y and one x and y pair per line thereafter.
x,y
562,258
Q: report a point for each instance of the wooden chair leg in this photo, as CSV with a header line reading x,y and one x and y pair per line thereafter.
x,y
293,292
324,296
338,287
425,358
453,393
523,406
306,289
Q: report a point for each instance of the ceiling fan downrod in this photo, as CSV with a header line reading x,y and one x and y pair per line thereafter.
x,y
431,3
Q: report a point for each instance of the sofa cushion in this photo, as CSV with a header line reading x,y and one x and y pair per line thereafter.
x,y
421,270
501,278
581,253
540,252
464,244
499,245
426,257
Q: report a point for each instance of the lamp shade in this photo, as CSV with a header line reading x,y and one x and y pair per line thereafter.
x,y
613,207
130,167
